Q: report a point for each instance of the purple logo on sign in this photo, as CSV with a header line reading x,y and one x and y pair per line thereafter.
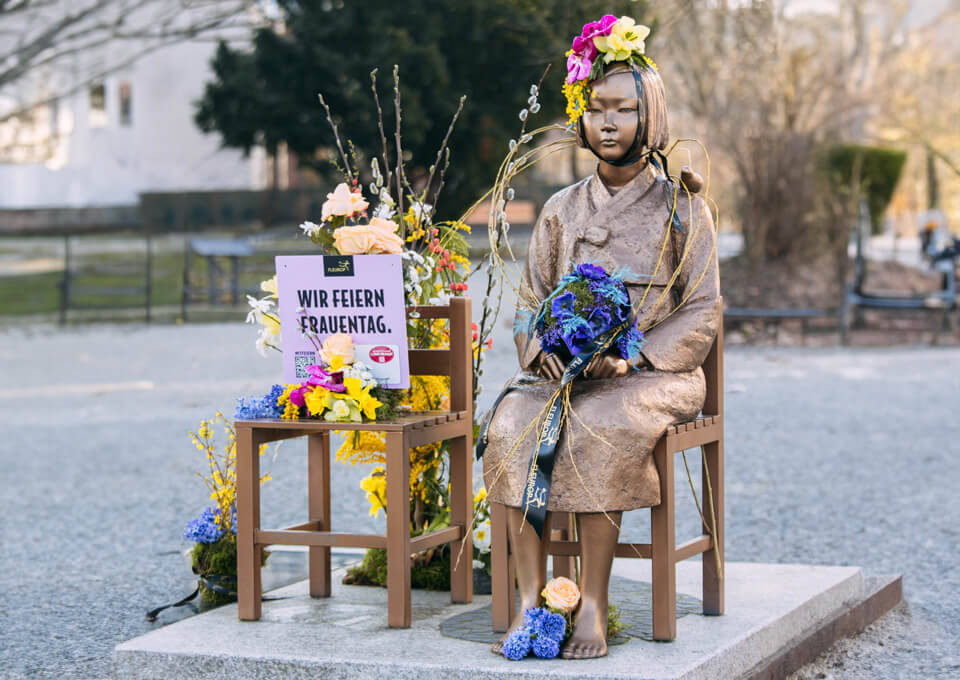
x,y
367,303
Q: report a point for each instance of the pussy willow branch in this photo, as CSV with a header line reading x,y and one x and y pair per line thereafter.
x,y
443,176
336,136
443,146
483,331
383,137
396,106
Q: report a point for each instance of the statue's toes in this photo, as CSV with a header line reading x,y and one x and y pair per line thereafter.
x,y
584,650
497,647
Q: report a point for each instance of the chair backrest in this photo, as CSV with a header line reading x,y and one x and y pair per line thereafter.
x,y
713,373
457,361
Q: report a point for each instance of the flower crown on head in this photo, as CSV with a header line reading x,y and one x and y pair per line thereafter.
x,y
617,40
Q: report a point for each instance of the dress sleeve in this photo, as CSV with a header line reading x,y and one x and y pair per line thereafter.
x,y
681,341
538,278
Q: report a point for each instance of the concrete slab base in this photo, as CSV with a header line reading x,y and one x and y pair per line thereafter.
x,y
778,617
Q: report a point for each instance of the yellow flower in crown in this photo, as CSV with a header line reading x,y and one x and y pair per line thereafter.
x,y
625,38
343,202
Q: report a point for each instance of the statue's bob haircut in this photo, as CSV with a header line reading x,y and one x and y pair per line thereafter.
x,y
654,128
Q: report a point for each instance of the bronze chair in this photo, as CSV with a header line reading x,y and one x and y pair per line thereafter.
x,y
705,431
402,434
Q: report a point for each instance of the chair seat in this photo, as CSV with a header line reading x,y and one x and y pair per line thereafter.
x,y
411,421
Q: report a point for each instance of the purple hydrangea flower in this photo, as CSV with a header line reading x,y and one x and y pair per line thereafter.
x,y
517,645
545,647
553,626
532,618
204,529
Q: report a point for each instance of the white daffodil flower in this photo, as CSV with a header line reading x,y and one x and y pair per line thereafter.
x,y
311,229
258,308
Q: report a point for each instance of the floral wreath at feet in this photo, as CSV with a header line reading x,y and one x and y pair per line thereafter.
x,y
612,39
547,628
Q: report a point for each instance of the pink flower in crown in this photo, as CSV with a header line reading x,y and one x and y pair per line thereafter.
x,y
584,47
598,28
584,51
578,66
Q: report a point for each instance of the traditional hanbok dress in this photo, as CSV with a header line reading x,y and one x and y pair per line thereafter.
x,y
604,457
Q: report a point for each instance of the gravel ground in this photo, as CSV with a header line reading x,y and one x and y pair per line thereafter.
x,y
833,457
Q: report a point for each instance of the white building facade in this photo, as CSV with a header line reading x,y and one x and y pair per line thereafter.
x,y
132,132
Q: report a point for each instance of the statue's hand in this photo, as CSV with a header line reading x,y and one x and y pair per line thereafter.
x,y
606,366
551,366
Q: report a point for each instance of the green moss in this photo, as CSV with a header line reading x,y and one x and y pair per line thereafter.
x,y
390,400
372,571
614,623
217,559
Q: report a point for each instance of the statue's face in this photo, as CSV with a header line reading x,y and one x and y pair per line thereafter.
x,y
610,121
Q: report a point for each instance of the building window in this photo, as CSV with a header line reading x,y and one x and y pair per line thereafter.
x,y
98,105
54,113
125,93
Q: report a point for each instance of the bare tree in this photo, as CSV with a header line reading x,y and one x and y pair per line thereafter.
x,y
770,84
50,49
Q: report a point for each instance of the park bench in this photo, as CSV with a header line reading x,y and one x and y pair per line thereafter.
x,y
98,283
739,315
212,250
941,303
402,434
705,431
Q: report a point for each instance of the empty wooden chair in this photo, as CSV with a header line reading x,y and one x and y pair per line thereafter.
x,y
402,434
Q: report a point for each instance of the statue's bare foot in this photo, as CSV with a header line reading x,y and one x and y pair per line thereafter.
x,y
589,639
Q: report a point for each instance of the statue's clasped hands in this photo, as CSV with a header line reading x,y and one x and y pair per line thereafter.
x,y
601,366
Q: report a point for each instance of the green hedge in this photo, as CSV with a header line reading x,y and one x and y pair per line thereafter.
x,y
880,170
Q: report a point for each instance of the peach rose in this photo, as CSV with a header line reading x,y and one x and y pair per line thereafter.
x,y
561,593
357,240
343,202
339,344
386,239
377,237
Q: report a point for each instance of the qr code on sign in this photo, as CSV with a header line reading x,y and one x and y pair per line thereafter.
x,y
300,362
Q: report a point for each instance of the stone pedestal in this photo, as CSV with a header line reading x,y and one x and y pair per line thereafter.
x,y
778,618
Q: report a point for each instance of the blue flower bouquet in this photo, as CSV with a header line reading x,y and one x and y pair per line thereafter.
x,y
588,303
542,633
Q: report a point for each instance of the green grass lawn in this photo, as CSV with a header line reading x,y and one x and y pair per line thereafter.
x,y
117,281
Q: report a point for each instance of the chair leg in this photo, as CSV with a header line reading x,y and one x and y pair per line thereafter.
x,y
501,577
562,524
249,590
712,577
663,547
461,512
318,493
398,531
